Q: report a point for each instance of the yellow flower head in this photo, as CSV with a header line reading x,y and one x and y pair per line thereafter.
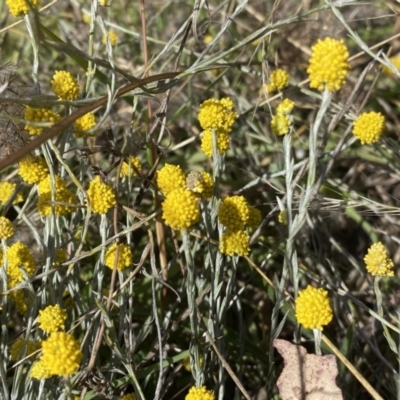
x,y
52,319
38,371
234,212
217,114
378,262
396,61
103,3
61,354
39,115
112,36
83,124
170,177
6,191
63,197
235,242
279,79
17,347
313,309
20,7
200,183
33,169
101,196
254,217
129,396
328,64
6,228
280,124
282,217
65,86
124,256
18,255
368,127
285,107
200,393
207,142
180,209
131,168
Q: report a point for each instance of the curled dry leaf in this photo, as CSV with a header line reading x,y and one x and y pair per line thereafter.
x,y
306,376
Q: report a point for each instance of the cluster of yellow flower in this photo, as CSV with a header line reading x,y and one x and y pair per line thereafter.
x,y
66,87
216,117
328,69
34,170
283,120
313,308
124,254
200,393
235,214
61,354
18,263
21,7
278,80
181,207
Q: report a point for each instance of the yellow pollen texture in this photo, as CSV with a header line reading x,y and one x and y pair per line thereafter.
x,y
378,262
328,65
313,309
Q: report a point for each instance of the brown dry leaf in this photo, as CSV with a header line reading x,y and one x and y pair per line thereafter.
x,y
306,376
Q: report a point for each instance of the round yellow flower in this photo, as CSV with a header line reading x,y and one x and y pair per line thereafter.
x,y
378,262
16,348
131,168
61,354
6,228
170,177
33,169
207,142
280,124
21,7
313,309
38,371
101,196
65,86
18,255
64,199
124,256
180,209
6,191
39,115
279,79
52,319
217,114
200,393
200,183
285,107
234,212
235,242
112,36
83,124
103,3
368,127
329,64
